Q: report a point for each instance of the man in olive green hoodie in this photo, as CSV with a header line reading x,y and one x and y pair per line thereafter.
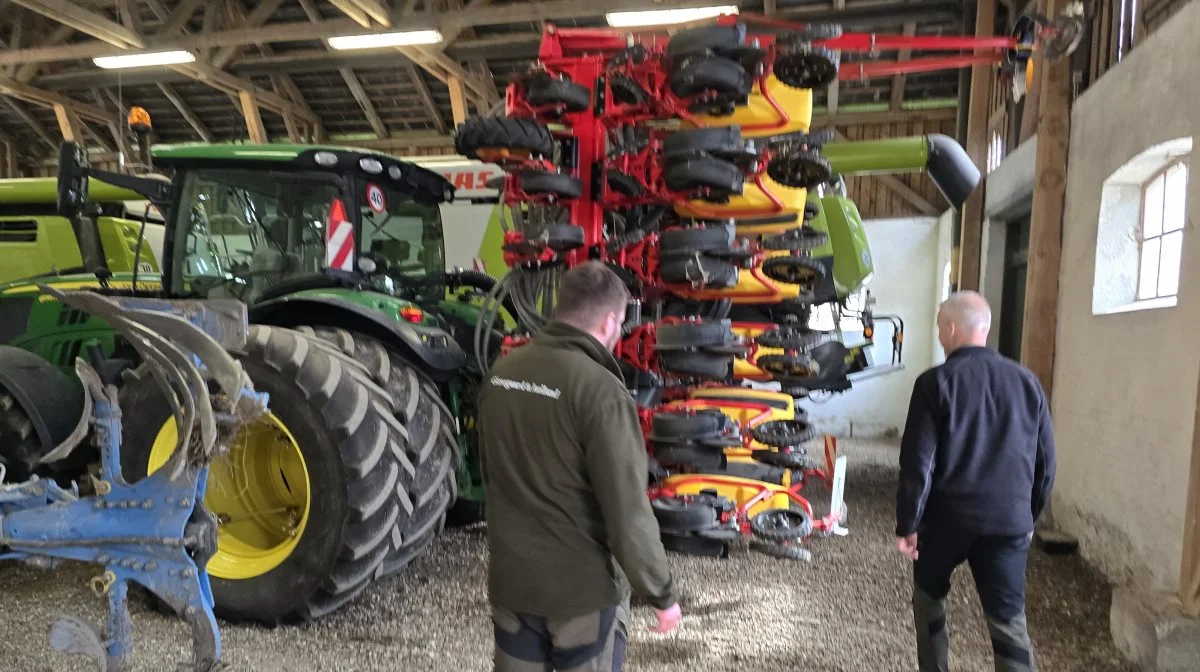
x,y
569,526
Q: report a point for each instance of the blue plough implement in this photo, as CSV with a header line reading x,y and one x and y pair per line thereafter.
x,y
155,532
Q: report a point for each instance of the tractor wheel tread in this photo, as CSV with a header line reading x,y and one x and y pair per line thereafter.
x,y
492,132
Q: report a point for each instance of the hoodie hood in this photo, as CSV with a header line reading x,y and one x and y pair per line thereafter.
x,y
562,335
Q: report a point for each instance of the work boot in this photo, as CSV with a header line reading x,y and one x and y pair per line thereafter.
x,y
1010,644
933,639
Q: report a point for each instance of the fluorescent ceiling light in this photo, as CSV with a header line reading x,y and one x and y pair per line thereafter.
x,y
144,59
663,17
406,38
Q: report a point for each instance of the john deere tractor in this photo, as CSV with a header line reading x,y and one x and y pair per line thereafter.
x,y
356,335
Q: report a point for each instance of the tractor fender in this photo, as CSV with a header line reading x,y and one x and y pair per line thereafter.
x,y
52,401
430,349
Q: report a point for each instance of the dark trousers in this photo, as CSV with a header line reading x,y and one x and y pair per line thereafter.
x,y
593,642
998,565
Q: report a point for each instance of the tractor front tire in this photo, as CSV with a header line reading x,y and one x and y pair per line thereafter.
x,y
331,454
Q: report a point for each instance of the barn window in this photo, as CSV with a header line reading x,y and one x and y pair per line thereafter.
x,y
1139,238
1164,201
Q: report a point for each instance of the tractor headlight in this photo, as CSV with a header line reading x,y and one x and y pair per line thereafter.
x,y
372,166
326,159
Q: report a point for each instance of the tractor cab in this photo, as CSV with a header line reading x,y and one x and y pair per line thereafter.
x,y
256,222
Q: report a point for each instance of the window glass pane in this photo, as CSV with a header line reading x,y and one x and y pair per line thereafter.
x,y
404,238
1176,198
1148,283
1168,274
1152,209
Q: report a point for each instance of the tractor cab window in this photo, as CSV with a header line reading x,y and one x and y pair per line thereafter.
x,y
404,239
248,230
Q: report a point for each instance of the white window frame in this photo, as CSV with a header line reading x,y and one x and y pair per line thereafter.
x,y
1159,176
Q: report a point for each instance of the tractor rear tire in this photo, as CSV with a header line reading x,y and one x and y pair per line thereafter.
x,y
519,135
19,444
432,447
354,452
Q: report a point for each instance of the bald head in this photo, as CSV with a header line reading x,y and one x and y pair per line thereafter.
x,y
964,320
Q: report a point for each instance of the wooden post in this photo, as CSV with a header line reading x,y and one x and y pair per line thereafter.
x,y
67,124
1189,572
458,100
971,238
10,160
254,124
1040,321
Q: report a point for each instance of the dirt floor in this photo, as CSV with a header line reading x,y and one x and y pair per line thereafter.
x,y
848,610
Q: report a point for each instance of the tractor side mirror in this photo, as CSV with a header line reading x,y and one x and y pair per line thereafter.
x,y
72,179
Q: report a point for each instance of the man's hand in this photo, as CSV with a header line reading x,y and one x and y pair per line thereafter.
x,y
908,545
668,619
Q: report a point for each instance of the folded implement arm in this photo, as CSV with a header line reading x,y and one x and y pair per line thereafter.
x,y
155,532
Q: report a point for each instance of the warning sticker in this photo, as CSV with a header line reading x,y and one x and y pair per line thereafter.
x,y
375,198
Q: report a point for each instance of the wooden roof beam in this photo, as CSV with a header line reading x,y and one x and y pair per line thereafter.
x,y
364,101
33,124
186,112
426,97
255,19
32,94
180,17
85,21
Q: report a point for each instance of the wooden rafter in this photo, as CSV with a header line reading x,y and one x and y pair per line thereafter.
x,y
26,73
85,21
130,15
34,125
364,101
254,19
900,80
186,112
366,13
426,97
180,17
254,124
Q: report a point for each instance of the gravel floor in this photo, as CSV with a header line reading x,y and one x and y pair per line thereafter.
x,y
848,610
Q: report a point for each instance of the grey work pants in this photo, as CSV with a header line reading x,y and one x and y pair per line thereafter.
x,y
998,565
593,642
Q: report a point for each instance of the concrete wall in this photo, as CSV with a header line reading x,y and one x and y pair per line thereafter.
x,y
1125,383
912,258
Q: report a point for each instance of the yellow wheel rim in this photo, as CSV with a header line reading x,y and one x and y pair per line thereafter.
x,y
259,493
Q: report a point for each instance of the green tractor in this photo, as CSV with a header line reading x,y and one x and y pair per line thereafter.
x,y
357,333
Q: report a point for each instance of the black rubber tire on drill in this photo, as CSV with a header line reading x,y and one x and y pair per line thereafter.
x,y
795,460
623,184
783,433
679,514
704,172
555,184
478,133
689,456
697,365
685,426
790,368
360,491
794,270
799,169
432,446
720,140
706,39
626,91
715,273
803,239
791,338
699,335
722,76
807,67
545,90
781,524
714,239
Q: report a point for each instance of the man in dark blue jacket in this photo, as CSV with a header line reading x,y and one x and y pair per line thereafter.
x,y
976,469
